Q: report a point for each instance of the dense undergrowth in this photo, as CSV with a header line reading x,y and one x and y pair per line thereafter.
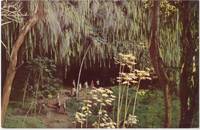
x,y
122,106
149,109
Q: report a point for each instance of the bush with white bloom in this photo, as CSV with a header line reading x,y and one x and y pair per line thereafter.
x,y
81,117
99,99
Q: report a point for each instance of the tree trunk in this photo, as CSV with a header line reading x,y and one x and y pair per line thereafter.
x,y
10,74
188,89
167,98
157,61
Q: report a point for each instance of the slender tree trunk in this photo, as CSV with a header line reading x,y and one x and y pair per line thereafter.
x,y
188,89
79,74
10,74
157,61
167,98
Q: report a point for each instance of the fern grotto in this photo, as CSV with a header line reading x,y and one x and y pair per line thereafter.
x,y
99,64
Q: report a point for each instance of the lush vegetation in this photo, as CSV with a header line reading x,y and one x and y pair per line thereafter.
x,y
100,64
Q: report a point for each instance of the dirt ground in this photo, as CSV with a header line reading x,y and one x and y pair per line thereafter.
x,y
55,119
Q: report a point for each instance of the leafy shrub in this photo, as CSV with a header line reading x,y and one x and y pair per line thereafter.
x,y
44,72
73,106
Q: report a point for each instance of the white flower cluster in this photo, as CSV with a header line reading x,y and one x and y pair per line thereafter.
x,y
126,59
127,78
143,74
99,97
85,112
132,120
80,117
105,120
135,74
132,77
102,96
142,92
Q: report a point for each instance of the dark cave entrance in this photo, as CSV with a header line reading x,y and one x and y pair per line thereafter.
x,y
106,75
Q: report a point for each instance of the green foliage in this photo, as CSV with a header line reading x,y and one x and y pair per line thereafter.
x,y
150,108
14,105
15,120
73,106
18,122
166,8
122,26
43,71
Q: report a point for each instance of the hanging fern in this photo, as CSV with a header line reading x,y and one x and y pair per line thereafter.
x,y
113,27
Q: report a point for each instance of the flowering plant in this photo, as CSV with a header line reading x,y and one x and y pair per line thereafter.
x,y
99,99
